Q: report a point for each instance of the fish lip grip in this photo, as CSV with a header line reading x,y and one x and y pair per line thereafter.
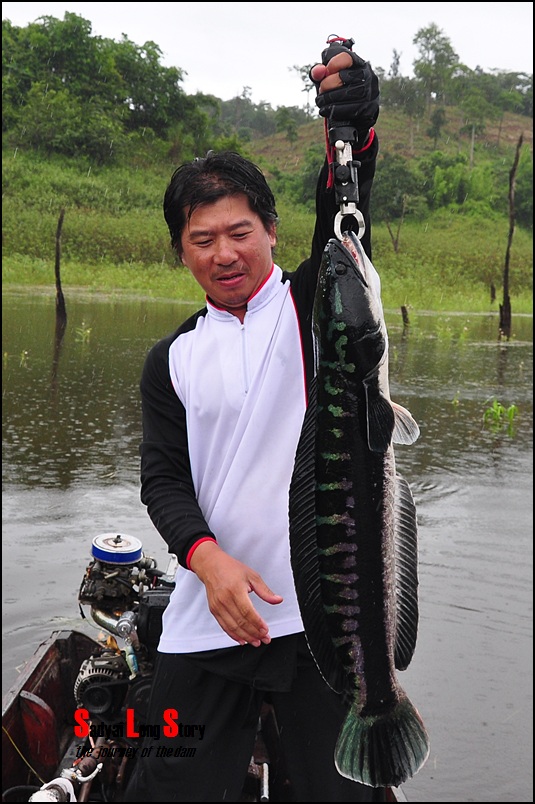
x,y
343,137
346,188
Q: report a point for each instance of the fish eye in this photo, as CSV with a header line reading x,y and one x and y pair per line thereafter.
x,y
340,268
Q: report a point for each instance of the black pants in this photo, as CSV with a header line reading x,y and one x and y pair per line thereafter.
x,y
226,709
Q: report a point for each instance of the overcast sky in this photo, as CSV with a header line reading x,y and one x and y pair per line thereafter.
x,y
224,47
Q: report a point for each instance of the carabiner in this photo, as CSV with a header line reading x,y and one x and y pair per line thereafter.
x,y
355,213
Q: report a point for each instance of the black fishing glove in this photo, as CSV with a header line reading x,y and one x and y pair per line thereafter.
x,y
357,101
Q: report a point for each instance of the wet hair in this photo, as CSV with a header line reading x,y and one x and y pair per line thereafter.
x,y
210,178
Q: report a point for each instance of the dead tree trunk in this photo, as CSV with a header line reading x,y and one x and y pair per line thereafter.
x,y
505,308
61,310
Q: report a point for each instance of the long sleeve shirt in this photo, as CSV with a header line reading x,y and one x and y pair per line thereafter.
x,y
223,404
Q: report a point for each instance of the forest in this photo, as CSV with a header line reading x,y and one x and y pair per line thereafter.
x,y
96,126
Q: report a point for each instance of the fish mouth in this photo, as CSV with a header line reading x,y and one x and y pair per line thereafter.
x,y
346,254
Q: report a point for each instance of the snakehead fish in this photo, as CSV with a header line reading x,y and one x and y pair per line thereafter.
x,y
353,532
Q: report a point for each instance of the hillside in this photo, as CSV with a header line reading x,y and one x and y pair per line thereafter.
x,y
394,136
114,235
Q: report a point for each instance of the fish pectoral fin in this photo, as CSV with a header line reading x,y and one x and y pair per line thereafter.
x,y
406,430
380,419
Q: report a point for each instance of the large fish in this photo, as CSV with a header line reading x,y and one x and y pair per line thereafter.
x,y
353,533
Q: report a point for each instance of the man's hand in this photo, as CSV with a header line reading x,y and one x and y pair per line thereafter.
x,y
228,583
348,90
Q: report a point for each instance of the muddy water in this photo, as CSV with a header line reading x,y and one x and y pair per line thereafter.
x,y
70,464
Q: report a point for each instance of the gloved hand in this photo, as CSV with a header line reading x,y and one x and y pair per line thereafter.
x,y
348,89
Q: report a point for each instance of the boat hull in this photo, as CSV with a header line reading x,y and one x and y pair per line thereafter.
x,y
38,739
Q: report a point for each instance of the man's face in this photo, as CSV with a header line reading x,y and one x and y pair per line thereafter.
x,y
228,251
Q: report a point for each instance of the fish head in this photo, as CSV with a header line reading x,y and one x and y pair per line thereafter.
x,y
348,311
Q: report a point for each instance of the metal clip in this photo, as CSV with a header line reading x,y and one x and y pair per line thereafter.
x,y
346,187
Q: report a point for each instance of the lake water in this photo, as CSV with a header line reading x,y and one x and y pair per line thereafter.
x,y
71,429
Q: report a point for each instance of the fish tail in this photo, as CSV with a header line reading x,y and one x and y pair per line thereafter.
x,y
382,750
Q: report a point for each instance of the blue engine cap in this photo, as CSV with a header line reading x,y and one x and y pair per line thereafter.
x,y
116,548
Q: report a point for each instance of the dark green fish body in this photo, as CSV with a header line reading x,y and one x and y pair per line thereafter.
x,y
353,526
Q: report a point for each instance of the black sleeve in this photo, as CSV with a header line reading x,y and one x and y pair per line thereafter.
x,y
304,280
166,483
326,208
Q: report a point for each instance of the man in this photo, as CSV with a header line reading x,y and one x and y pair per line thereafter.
x,y
223,403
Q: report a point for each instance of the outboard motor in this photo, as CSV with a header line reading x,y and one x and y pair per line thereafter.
x,y
127,596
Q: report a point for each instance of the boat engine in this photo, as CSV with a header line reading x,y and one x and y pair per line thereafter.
x,y
127,595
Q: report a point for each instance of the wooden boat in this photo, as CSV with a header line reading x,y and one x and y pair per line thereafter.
x,y
38,740
71,673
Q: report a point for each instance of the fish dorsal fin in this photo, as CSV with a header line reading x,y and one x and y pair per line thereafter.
x,y
406,553
303,551
406,430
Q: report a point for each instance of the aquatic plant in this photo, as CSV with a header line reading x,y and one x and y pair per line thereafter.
x,y
498,417
83,333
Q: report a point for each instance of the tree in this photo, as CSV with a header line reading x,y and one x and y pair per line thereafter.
x,y
438,120
304,72
436,64
114,87
414,105
150,93
476,111
445,179
285,122
241,115
483,96
395,188
55,121
392,87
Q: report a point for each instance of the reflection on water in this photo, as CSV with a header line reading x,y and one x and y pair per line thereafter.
x,y
70,471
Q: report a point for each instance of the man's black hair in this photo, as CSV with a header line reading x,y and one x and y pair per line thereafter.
x,y
206,180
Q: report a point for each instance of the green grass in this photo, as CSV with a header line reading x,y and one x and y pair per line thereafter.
x,y
154,281
114,239
176,283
